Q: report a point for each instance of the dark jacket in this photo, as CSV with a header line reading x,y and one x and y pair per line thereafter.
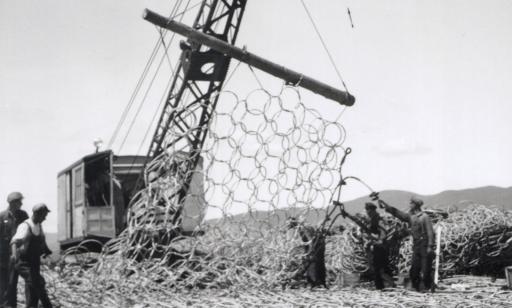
x,y
421,226
376,227
9,221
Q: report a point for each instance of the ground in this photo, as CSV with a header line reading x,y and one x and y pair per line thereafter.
x,y
459,291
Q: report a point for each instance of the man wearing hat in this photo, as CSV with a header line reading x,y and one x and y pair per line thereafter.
x,y
423,241
313,262
9,221
28,245
380,250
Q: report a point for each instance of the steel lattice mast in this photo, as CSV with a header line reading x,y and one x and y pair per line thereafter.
x,y
220,19
193,95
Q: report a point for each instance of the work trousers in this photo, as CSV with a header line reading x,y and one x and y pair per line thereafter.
x,y
315,263
381,267
8,277
421,267
35,286
4,282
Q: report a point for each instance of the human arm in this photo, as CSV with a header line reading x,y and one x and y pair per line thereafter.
x,y
46,251
394,211
14,252
18,241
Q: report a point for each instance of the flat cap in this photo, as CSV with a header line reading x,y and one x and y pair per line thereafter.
x,y
417,201
370,205
14,196
40,207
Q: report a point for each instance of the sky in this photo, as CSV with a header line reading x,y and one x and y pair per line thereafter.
x,y
431,81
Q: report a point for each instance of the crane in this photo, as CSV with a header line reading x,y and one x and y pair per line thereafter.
x,y
181,129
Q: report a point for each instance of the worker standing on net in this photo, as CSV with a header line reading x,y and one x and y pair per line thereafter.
x,y
423,241
28,245
313,263
9,221
380,248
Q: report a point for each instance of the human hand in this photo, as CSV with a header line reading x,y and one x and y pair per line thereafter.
x,y
46,253
382,204
14,257
374,196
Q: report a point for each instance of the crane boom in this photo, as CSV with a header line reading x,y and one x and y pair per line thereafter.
x,y
242,55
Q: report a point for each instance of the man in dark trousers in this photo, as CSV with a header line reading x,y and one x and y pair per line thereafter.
x,y
379,249
314,252
28,245
423,241
9,221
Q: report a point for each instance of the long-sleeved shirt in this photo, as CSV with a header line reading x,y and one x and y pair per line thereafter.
x,y
421,225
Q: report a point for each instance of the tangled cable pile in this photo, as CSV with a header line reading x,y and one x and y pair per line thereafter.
x,y
266,157
456,292
475,239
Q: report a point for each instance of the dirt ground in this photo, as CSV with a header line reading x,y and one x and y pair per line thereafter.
x,y
459,291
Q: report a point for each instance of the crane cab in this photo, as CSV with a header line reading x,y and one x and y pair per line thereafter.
x,y
93,195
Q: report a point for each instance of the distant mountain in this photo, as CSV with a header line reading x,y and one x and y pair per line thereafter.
x,y
489,196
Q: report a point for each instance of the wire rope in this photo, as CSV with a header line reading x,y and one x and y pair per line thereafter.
x,y
140,82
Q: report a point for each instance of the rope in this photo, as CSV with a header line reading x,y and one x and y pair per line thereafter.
x,y
324,45
140,82
143,101
161,42
256,77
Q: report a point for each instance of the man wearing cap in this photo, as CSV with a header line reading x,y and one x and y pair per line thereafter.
x,y
9,221
28,245
423,241
380,250
313,262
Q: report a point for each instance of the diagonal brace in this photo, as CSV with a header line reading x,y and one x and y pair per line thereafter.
x,y
242,55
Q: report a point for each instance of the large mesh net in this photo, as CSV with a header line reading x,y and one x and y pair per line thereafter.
x,y
268,157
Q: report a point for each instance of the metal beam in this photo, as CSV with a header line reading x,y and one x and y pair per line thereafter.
x,y
267,66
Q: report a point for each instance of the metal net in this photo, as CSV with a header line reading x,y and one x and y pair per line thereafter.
x,y
226,241
267,157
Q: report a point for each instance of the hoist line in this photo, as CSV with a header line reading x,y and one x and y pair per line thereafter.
x,y
160,42
132,98
138,86
142,102
173,72
324,45
256,77
166,47
342,180
148,130
155,114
